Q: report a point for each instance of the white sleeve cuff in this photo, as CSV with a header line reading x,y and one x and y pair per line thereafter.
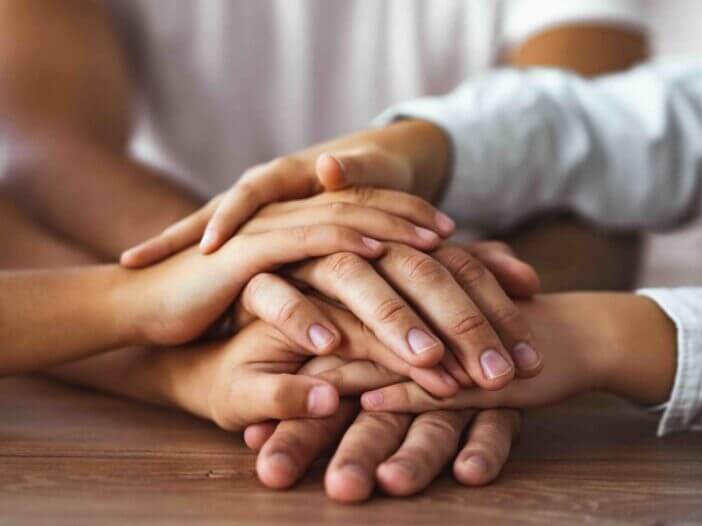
x,y
525,18
684,307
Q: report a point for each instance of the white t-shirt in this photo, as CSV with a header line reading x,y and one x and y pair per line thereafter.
x,y
227,84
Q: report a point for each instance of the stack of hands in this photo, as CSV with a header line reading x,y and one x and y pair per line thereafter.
x,y
345,315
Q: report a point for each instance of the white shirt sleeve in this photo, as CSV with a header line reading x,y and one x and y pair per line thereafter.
x,y
623,151
525,18
684,409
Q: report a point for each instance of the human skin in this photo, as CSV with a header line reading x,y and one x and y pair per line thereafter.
x,y
172,377
68,162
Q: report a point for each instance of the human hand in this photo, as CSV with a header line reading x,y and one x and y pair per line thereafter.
x,y
619,343
180,298
400,453
453,293
408,156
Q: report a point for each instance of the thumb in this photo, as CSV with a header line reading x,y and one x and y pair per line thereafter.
x,y
368,166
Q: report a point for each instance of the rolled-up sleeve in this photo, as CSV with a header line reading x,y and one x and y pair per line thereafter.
x,y
683,411
623,151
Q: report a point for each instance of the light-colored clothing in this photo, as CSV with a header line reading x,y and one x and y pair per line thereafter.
x,y
623,151
226,84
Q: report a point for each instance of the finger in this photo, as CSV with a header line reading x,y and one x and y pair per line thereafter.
x,y
487,446
369,441
282,179
256,435
351,377
431,443
359,343
355,283
408,397
516,277
172,240
364,167
296,444
371,222
273,300
257,396
430,287
263,252
500,311
407,206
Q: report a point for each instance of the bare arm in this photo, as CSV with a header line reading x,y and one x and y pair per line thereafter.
x,y
66,146
592,258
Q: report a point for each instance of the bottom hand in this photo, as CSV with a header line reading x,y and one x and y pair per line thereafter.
x,y
399,452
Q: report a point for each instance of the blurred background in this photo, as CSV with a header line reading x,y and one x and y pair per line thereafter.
x,y
674,259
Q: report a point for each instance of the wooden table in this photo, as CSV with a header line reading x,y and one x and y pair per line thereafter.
x,y
69,456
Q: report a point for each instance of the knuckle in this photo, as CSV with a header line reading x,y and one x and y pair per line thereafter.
x,y
381,423
391,310
290,310
344,265
286,163
440,428
467,323
509,315
420,267
362,194
466,267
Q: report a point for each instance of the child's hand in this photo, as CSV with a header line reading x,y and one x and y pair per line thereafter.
x,y
179,299
388,158
619,343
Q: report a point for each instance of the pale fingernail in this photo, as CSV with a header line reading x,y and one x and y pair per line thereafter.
x,y
373,244
493,364
477,464
405,467
321,400
320,336
372,400
525,356
419,341
445,223
282,461
426,234
353,471
209,240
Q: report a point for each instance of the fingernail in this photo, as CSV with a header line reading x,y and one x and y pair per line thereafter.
x,y
208,241
407,468
354,471
477,464
448,379
419,341
372,243
283,462
320,336
525,356
372,400
426,234
321,400
493,364
445,223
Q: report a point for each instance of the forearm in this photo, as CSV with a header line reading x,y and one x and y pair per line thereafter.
x,y
51,316
66,147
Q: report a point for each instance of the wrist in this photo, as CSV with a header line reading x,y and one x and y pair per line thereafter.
x,y
640,361
127,299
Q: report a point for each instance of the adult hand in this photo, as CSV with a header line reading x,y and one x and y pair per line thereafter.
x,y
400,453
408,156
454,292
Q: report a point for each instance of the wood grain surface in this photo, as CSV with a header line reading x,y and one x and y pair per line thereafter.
x,y
70,456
